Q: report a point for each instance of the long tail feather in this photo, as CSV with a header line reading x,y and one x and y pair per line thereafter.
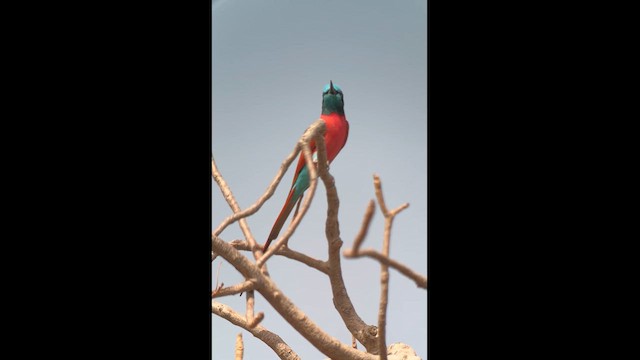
x,y
284,213
295,213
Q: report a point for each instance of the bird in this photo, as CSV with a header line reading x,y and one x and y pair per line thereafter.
x,y
335,137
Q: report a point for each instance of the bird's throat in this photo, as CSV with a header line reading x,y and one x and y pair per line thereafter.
x,y
332,104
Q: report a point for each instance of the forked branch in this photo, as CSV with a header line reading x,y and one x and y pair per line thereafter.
x,y
272,340
324,342
383,258
232,290
287,252
356,252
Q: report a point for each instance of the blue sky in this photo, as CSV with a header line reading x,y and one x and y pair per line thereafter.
x,y
271,60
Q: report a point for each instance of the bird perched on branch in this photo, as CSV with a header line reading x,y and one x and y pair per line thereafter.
x,y
337,131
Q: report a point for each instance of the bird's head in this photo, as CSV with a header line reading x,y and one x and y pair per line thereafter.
x,y
332,99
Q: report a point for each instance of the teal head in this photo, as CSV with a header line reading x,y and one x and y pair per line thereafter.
x,y
332,99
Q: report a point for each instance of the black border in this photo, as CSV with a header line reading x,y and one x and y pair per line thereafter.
x,y
128,180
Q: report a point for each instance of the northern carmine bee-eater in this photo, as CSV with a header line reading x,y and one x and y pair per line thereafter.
x,y
337,131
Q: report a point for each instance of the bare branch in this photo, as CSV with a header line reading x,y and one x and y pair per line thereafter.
x,y
319,265
240,244
250,304
285,251
272,340
368,215
365,333
383,258
378,188
239,347
256,320
228,195
251,320
384,298
235,289
384,268
324,342
268,193
421,281
215,291
355,252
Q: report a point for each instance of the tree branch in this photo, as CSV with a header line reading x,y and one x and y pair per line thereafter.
x,y
327,344
287,252
421,281
272,340
384,271
239,347
364,229
355,252
228,195
384,264
252,321
365,333
258,204
235,289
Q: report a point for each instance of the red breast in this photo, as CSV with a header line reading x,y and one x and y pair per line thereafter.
x,y
336,135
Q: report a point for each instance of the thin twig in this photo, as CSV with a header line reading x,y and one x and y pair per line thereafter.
x,y
267,194
378,189
421,281
384,267
234,289
355,252
250,303
384,270
368,215
228,195
239,347
252,321
287,252
319,265
218,288
384,298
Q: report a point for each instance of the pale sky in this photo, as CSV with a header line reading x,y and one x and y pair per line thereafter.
x,y
271,60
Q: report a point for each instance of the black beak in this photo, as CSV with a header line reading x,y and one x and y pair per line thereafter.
x,y
331,89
